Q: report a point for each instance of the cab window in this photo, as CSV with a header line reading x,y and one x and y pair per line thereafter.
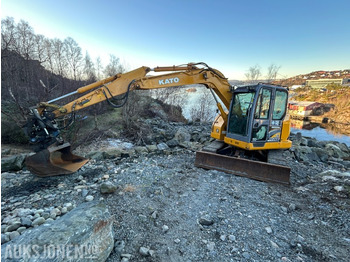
x,y
239,115
280,105
263,104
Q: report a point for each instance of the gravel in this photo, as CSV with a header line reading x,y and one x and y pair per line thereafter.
x,y
166,209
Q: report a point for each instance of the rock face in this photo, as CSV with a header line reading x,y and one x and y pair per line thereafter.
x,y
84,234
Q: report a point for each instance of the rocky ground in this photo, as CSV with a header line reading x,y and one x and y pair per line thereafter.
x,y
166,209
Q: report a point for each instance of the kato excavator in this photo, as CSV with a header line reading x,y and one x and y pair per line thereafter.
x,y
250,130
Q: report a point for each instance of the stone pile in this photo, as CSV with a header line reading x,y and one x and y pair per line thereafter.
x,y
23,219
328,152
165,138
148,185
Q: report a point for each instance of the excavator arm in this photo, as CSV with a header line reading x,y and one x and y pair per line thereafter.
x,y
43,130
120,84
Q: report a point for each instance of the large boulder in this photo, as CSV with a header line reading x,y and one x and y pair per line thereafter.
x,y
313,142
172,143
114,152
305,154
12,163
141,150
343,147
158,110
321,153
335,151
182,135
84,234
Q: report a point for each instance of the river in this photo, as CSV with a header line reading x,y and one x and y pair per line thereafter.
x,y
322,133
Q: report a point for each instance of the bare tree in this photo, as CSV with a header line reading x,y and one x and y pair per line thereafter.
x,y
253,74
177,98
272,72
60,57
89,69
25,40
203,110
164,94
8,31
99,68
49,52
171,95
114,66
74,56
40,48
24,53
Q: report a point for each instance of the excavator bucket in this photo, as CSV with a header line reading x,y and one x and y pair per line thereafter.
x,y
55,160
243,167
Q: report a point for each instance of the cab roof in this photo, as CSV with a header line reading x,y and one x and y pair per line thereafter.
x,y
254,87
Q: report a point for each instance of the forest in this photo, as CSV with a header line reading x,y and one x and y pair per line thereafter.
x,y
35,68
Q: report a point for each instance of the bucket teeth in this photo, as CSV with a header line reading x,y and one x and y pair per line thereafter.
x,y
55,160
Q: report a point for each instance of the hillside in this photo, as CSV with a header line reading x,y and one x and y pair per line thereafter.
x,y
336,95
301,79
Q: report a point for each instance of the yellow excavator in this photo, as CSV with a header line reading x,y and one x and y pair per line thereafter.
x,y
250,131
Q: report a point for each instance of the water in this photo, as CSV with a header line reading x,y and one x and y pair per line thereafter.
x,y
323,134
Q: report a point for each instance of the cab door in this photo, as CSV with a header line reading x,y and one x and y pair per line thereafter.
x,y
270,110
261,119
239,117
280,102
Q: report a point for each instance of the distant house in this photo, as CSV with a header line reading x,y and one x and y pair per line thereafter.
x,y
322,83
302,109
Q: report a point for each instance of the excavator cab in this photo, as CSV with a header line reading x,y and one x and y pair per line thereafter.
x,y
256,117
257,128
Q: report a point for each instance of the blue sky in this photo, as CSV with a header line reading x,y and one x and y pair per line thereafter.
x,y
299,35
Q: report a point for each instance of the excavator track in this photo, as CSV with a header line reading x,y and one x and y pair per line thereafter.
x,y
253,169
